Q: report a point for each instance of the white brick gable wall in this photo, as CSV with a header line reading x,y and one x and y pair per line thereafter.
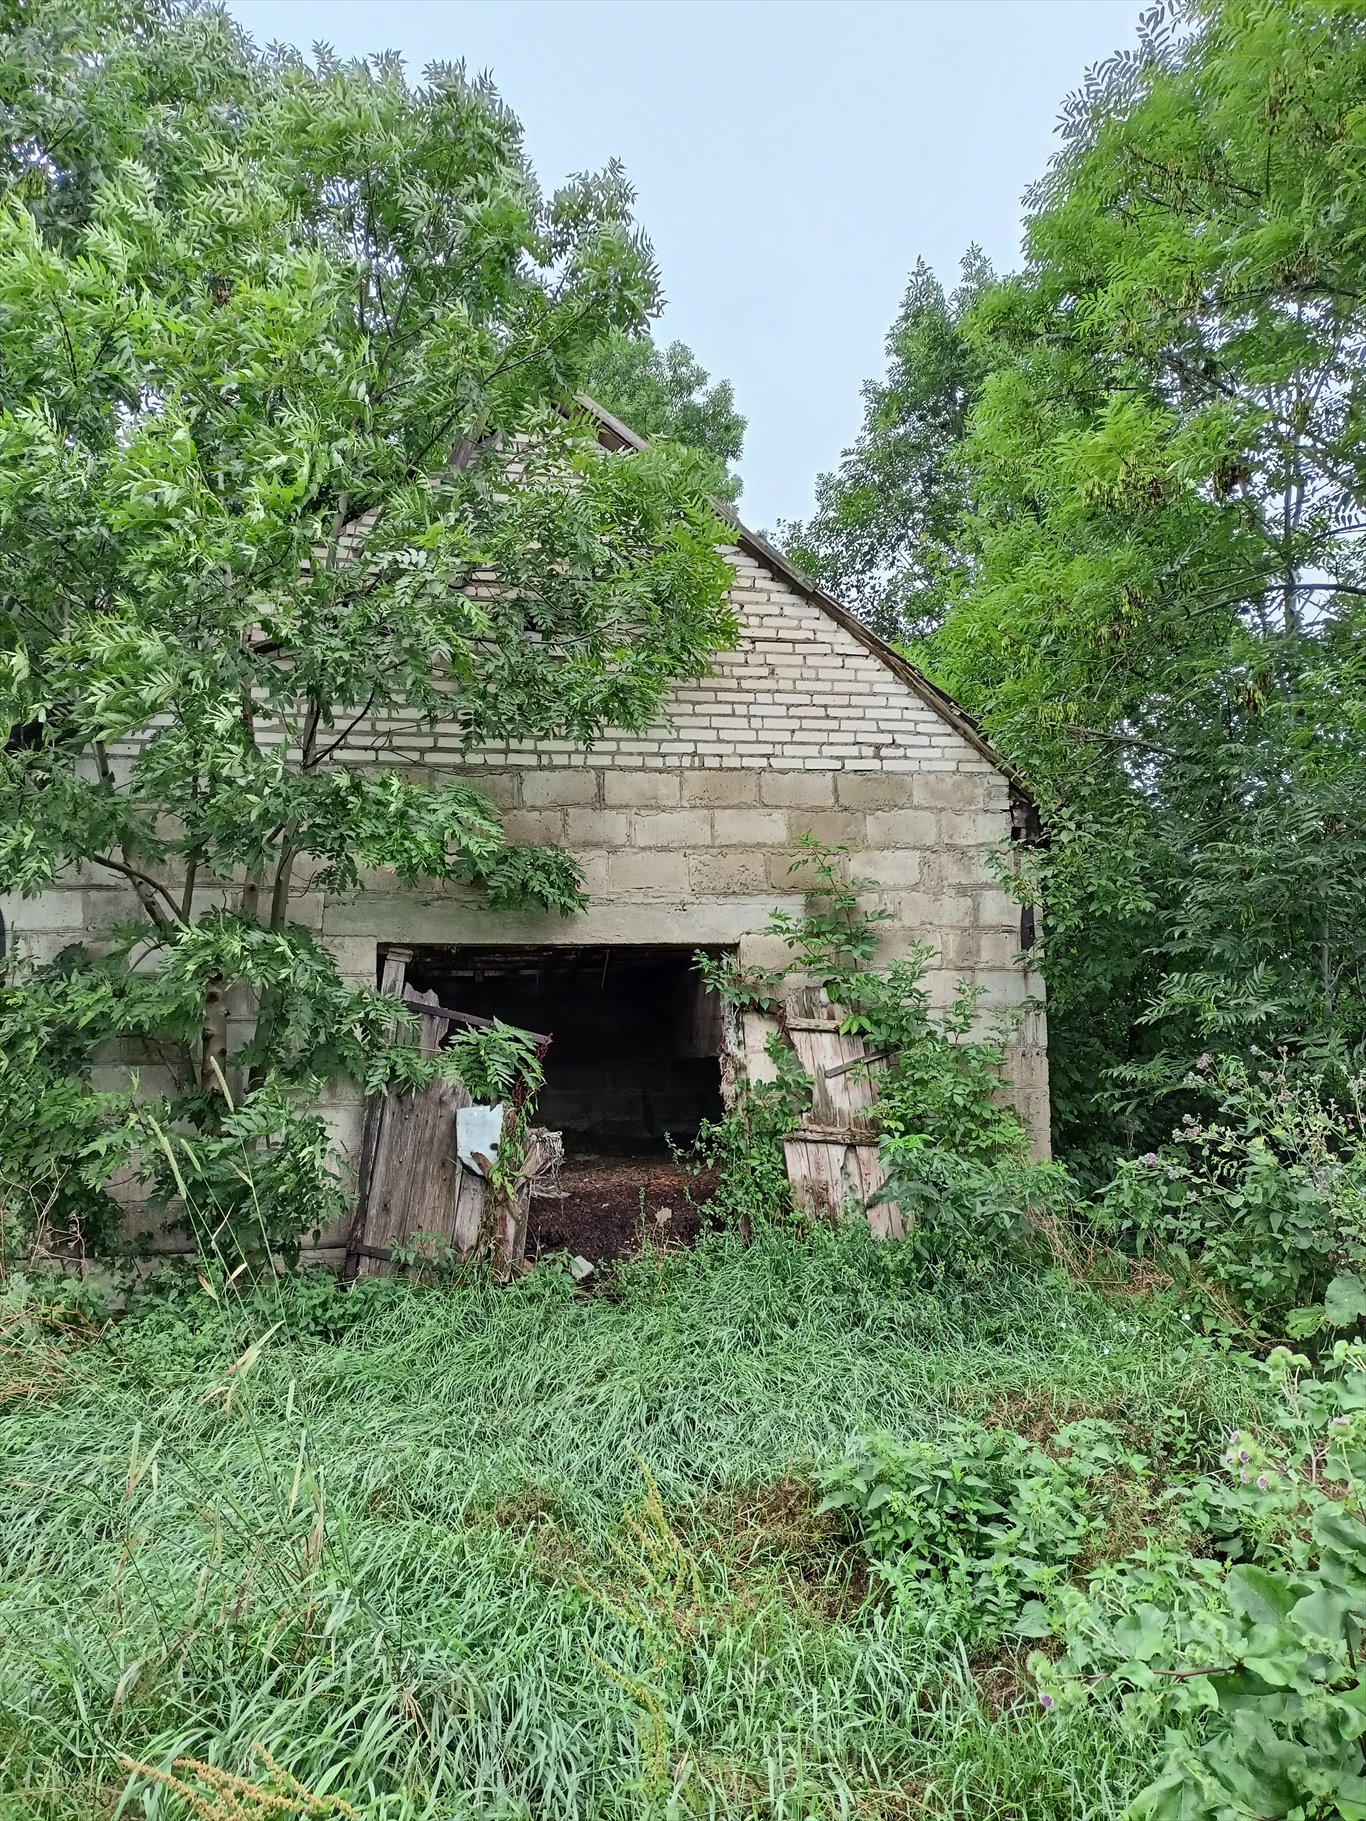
x,y
799,691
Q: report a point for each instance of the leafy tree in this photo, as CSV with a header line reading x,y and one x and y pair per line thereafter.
x,y
884,536
1159,614
667,395
283,459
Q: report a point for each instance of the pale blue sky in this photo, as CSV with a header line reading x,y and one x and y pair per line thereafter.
x,y
793,159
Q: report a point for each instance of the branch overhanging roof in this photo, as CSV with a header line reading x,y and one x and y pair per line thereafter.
x,y
616,435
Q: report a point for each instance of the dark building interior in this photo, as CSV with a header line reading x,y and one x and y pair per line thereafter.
x,y
636,1035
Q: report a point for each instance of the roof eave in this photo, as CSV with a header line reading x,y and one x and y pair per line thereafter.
x,y
754,544
758,546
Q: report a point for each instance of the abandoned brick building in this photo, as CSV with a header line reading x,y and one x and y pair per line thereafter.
x,y
685,837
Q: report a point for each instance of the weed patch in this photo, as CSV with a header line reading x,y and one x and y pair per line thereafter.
x,y
454,1553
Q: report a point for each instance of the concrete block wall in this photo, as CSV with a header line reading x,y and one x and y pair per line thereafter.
x,y
685,833
701,856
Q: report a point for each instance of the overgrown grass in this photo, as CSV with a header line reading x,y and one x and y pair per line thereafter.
x,y
470,1553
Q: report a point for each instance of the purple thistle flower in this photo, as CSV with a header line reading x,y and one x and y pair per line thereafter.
x,y
1341,1422
1243,1455
1262,1482
1045,1701
1150,1158
1235,1438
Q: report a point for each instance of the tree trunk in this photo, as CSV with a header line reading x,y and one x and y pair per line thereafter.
x,y
251,893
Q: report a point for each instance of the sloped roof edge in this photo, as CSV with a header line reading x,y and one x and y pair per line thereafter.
x,y
616,434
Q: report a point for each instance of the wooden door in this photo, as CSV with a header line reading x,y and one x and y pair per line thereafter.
x,y
415,1183
412,1182
832,1158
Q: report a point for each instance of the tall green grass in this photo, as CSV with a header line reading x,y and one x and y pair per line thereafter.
x,y
410,1543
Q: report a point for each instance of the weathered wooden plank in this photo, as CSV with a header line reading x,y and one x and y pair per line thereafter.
x,y
804,1001
884,1217
415,1180
392,978
467,1214
364,1251
828,1174
732,1055
512,1213
841,1095
857,1061
814,1168
426,1002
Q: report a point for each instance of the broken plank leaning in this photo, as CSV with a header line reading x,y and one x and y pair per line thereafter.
x,y
833,1158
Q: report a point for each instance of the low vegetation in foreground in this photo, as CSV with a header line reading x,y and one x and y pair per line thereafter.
x,y
462,1552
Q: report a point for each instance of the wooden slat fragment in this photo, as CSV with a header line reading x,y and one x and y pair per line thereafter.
x,y
426,1002
828,1174
832,1160
544,1151
815,1172
867,1061
884,1217
841,1096
732,1055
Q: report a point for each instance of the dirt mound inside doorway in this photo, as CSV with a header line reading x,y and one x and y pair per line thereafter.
x,y
605,1205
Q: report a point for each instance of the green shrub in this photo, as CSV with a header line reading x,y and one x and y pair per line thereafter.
x,y
964,1216
243,1176
956,1154
1252,1663
973,1525
1265,1200
745,1147
942,1082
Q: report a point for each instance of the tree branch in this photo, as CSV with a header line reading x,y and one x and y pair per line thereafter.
x,y
343,736
146,885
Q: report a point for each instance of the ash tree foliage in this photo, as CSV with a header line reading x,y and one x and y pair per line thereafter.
x,y
1157,573
884,537
666,394
1170,495
284,350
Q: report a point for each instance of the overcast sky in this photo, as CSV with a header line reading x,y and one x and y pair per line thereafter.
x,y
793,159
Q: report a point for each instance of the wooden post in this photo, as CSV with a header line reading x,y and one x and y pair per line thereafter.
x,y
544,1152
392,980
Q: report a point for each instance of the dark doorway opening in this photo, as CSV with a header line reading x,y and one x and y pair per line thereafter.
x,y
632,1071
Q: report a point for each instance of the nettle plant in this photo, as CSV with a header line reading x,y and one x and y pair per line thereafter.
x,y
955,1151
284,351
971,1531
1252,1665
